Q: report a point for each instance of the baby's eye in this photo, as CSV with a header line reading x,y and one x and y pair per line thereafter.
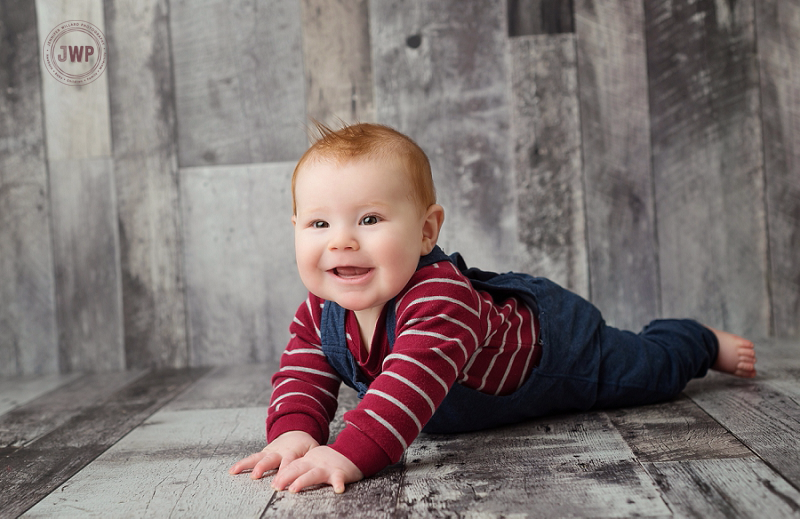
x,y
370,220
319,224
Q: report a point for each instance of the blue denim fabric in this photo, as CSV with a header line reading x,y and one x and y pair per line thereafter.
x,y
585,364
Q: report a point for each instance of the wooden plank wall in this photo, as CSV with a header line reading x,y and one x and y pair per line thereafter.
x,y
28,340
545,129
708,161
83,207
143,124
241,285
441,76
620,214
643,154
778,34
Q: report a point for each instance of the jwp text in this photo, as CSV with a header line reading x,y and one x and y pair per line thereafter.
x,y
76,52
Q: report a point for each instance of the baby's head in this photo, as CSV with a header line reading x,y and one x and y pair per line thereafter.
x,y
365,141
365,211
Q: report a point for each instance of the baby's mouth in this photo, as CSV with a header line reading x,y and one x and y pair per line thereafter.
x,y
350,272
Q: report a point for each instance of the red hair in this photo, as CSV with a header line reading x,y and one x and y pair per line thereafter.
x,y
372,141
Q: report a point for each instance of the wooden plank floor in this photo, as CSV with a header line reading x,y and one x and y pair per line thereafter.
x,y
158,444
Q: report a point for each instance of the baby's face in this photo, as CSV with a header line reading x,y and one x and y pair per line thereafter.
x,y
358,233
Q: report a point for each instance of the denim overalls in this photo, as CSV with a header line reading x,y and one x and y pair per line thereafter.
x,y
585,364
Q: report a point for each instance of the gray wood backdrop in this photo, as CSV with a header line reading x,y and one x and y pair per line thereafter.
x,y
645,154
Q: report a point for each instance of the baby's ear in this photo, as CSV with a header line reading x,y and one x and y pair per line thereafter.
x,y
434,218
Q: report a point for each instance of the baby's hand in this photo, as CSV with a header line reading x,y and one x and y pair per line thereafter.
x,y
280,452
319,465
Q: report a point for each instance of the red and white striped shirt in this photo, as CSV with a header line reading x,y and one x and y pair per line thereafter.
x,y
446,332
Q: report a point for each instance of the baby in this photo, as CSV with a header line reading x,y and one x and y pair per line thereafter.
x,y
429,344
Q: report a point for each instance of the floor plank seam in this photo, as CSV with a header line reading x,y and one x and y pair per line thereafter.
x,y
272,499
661,494
732,433
746,444
401,482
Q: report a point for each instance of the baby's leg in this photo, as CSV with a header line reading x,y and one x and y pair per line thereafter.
x,y
736,356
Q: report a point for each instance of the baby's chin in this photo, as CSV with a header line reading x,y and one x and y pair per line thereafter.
x,y
356,305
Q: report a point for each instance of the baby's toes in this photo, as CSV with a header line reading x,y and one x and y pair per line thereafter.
x,y
745,369
746,356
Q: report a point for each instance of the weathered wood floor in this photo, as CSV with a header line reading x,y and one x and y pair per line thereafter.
x,y
158,444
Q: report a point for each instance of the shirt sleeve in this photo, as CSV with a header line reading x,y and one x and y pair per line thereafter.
x,y
305,388
438,325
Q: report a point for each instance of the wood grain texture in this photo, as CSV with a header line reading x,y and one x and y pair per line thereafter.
x,y
778,30
675,431
545,129
30,473
336,59
177,460
785,384
19,390
620,214
766,420
26,424
87,272
527,17
180,454
229,386
725,488
441,77
241,280
708,162
570,466
239,88
146,174
369,498
28,340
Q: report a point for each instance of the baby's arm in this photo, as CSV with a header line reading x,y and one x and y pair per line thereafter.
x,y
302,404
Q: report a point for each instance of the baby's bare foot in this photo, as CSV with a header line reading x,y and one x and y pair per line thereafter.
x,y
736,356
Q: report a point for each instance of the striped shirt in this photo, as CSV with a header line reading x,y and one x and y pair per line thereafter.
x,y
446,332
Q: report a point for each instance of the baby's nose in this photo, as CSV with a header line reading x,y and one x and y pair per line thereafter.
x,y
344,240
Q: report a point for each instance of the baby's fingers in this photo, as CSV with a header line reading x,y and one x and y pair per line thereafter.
x,y
336,480
314,476
270,461
299,476
289,473
319,476
246,463
258,463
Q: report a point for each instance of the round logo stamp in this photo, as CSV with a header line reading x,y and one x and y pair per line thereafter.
x,y
75,53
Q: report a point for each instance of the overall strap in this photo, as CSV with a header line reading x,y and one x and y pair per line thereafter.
x,y
334,346
391,323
